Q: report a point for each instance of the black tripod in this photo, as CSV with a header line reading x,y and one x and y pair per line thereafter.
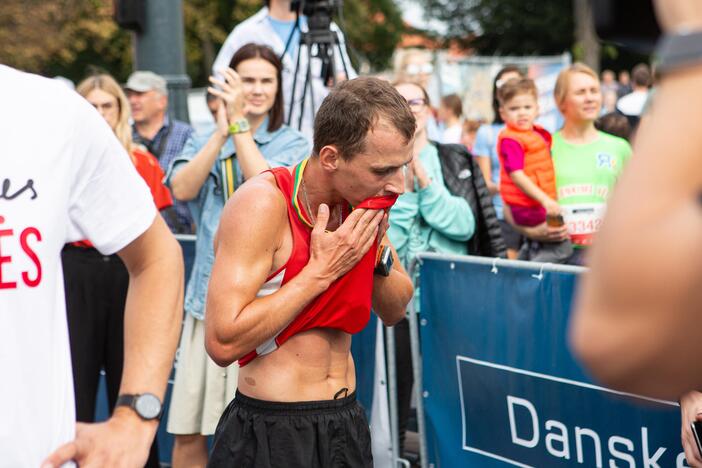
x,y
320,42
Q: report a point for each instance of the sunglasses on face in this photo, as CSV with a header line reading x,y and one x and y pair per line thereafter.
x,y
416,105
416,69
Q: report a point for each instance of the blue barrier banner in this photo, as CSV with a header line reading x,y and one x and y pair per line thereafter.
x,y
502,388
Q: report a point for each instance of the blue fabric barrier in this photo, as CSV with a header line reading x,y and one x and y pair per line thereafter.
x,y
501,386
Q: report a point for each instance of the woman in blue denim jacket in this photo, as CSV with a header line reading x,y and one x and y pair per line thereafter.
x,y
249,138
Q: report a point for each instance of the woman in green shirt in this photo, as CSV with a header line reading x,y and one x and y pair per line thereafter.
x,y
587,162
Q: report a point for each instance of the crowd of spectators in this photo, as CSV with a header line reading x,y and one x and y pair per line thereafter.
x,y
507,188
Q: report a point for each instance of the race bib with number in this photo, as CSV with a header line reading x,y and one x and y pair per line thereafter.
x,y
583,221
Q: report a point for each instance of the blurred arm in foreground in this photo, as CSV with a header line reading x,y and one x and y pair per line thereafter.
x,y
637,319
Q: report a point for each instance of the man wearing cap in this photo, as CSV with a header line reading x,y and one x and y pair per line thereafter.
x,y
162,136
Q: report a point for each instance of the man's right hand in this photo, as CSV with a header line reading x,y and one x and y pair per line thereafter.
x,y
691,410
332,254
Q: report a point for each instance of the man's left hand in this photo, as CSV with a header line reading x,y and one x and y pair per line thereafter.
x,y
124,440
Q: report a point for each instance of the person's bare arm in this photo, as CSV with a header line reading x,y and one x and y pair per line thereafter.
x,y
484,165
528,186
153,315
237,321
187,182
541,232
637,319
690,411
392,293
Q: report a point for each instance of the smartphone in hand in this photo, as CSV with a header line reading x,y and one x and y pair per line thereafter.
x,y
696,427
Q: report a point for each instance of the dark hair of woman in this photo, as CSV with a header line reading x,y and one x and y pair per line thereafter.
x,y
495,102
252,51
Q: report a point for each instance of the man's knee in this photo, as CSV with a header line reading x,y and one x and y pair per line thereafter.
x,y
190,442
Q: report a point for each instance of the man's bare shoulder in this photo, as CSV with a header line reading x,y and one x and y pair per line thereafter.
x,y
256,208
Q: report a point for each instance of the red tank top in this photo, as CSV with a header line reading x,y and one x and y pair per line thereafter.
x,y
346,304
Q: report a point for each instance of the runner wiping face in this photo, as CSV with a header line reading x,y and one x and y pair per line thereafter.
x,y
378,170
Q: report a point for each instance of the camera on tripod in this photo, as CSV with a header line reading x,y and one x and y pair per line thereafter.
x,y
318,12
320,41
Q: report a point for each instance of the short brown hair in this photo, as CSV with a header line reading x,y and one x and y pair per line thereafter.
x,y
516,87
563,80
353,108
641,75
471,125
615,124
453,103
251,51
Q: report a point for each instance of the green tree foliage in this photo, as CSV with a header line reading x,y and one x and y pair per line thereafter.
x,y
507,27
373,28
62,37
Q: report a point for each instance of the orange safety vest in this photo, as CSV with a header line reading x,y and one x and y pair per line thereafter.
x,y
538,166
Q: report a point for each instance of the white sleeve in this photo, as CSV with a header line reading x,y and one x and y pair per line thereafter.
x,y
225,54
342,45
109,204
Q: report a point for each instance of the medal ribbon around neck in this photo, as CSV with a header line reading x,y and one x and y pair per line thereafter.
x,y
299,170
372,203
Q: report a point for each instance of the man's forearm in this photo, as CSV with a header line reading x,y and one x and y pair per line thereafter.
x,y
230,338
637,319
392,294
153,316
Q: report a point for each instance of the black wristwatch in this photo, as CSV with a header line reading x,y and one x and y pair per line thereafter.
x,y
146,405
384,261
679,50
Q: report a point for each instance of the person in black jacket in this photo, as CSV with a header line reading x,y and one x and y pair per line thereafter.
x,y
464,178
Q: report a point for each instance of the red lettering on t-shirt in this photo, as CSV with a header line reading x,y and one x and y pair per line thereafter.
x,y
5,259
32,256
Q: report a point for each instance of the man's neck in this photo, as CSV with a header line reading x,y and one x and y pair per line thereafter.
x,y
641,89
149,128
451,121
280,10
319,189
579,133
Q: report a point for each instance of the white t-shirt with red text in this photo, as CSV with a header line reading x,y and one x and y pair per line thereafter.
x,y
63,177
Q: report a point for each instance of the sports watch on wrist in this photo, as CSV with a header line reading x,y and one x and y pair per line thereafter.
x,y
383,261
147,405
676,51
239,126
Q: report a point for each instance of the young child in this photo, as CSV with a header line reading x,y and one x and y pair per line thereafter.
x,y
527,178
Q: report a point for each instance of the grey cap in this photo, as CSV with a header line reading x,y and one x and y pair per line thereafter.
x,y
142,81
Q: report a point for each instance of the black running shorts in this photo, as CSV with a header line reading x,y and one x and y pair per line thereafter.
x,y
264,434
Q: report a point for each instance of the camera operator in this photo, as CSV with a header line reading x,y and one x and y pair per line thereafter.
x,y
275,26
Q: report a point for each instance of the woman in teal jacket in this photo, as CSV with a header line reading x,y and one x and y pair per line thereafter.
x,y
426,218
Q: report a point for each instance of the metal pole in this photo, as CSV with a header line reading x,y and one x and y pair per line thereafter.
x,y
417,369
391,364
160,48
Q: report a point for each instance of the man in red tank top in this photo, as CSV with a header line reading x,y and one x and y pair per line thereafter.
x,y
293,278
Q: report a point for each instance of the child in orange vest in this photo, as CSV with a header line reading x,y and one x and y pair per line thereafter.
x,y
527,178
